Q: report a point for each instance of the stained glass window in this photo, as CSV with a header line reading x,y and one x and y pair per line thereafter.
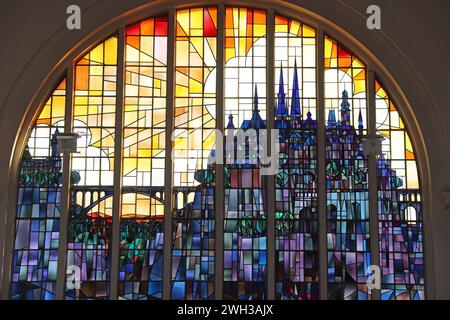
x,y
35,255
190,220
347,210
399,207
90,221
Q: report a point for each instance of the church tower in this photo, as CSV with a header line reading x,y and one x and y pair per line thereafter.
x,y
55,158
345,110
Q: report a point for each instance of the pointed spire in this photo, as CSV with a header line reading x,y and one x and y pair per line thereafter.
x,y
255,99
360,122
281,91
281,107
295,102
256,122
230,124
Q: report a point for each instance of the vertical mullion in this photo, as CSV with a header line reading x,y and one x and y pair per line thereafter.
x,y
118,151
219,166
270,187
321,164
373,187
65,192
168,181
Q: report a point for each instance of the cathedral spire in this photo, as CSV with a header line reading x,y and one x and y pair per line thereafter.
x,y
295,102
360,123
255,99
281,107
256,122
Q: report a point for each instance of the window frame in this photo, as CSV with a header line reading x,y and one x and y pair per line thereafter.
x,y
321,31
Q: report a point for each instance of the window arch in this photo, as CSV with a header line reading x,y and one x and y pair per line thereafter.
x,y
145,212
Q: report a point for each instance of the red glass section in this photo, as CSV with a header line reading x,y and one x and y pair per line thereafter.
x,y
161,26
209,30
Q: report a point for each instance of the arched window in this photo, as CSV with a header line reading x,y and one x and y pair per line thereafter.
x,y
146,208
